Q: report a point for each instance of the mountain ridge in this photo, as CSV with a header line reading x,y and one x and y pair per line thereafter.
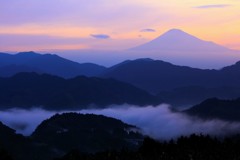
x,y
214,108
26,90
47,63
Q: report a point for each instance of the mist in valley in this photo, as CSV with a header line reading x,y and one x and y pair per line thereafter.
x,y
159,122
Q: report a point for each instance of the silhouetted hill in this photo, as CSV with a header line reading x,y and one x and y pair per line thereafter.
x,y
52,92
6,130
232,69
46,63
87,133
178,85
191,95
155,75
17,147
10,70
217,109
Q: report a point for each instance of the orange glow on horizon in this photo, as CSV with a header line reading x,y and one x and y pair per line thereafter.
x,y
210,20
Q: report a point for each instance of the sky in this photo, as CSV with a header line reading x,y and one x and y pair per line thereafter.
x,y
112,25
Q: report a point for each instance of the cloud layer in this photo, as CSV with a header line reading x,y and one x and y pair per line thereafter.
x,y
213,6
100,36
148,30
158,122
161,123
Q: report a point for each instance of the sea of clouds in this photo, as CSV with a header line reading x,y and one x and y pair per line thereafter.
x,y
159,122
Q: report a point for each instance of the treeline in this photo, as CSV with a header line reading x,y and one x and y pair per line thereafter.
x,y
194,147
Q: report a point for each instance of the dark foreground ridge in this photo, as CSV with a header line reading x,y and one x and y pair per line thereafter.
x,y
72,136
61,133
26,90
194,147
88,133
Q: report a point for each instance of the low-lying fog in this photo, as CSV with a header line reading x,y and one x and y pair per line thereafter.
x,y
158,122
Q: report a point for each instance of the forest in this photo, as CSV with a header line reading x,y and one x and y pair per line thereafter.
x,y
193,147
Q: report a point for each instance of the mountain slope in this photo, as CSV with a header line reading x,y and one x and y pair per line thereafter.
x,y
156,75
88,133
47,63
31,89
217,109
178,40
191,95
22,148
181,48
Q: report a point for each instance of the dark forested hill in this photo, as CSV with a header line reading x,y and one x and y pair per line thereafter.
x,y
87,133
217,109
45,63
51,92
17,147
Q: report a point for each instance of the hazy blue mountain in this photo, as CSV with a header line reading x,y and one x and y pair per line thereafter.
x,y
217,109
17,59
52,92
178,85
46,63
190,95
86,132
232,69
156,75
10,70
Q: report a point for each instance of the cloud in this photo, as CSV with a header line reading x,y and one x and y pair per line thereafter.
x,y
100,36
24,121
161,123
213,6
148,30
158,122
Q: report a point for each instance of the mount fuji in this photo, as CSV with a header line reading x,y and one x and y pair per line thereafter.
x,y
178,40
181,48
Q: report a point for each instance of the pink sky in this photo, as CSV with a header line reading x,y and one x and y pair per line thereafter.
x,y
113,25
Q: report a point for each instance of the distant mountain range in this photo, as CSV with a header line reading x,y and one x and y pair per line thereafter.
x,y
45,63
54,93
174,84
156,76
217,109
178,85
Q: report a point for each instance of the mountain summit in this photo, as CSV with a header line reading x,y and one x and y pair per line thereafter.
x,y
178,40
181,48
